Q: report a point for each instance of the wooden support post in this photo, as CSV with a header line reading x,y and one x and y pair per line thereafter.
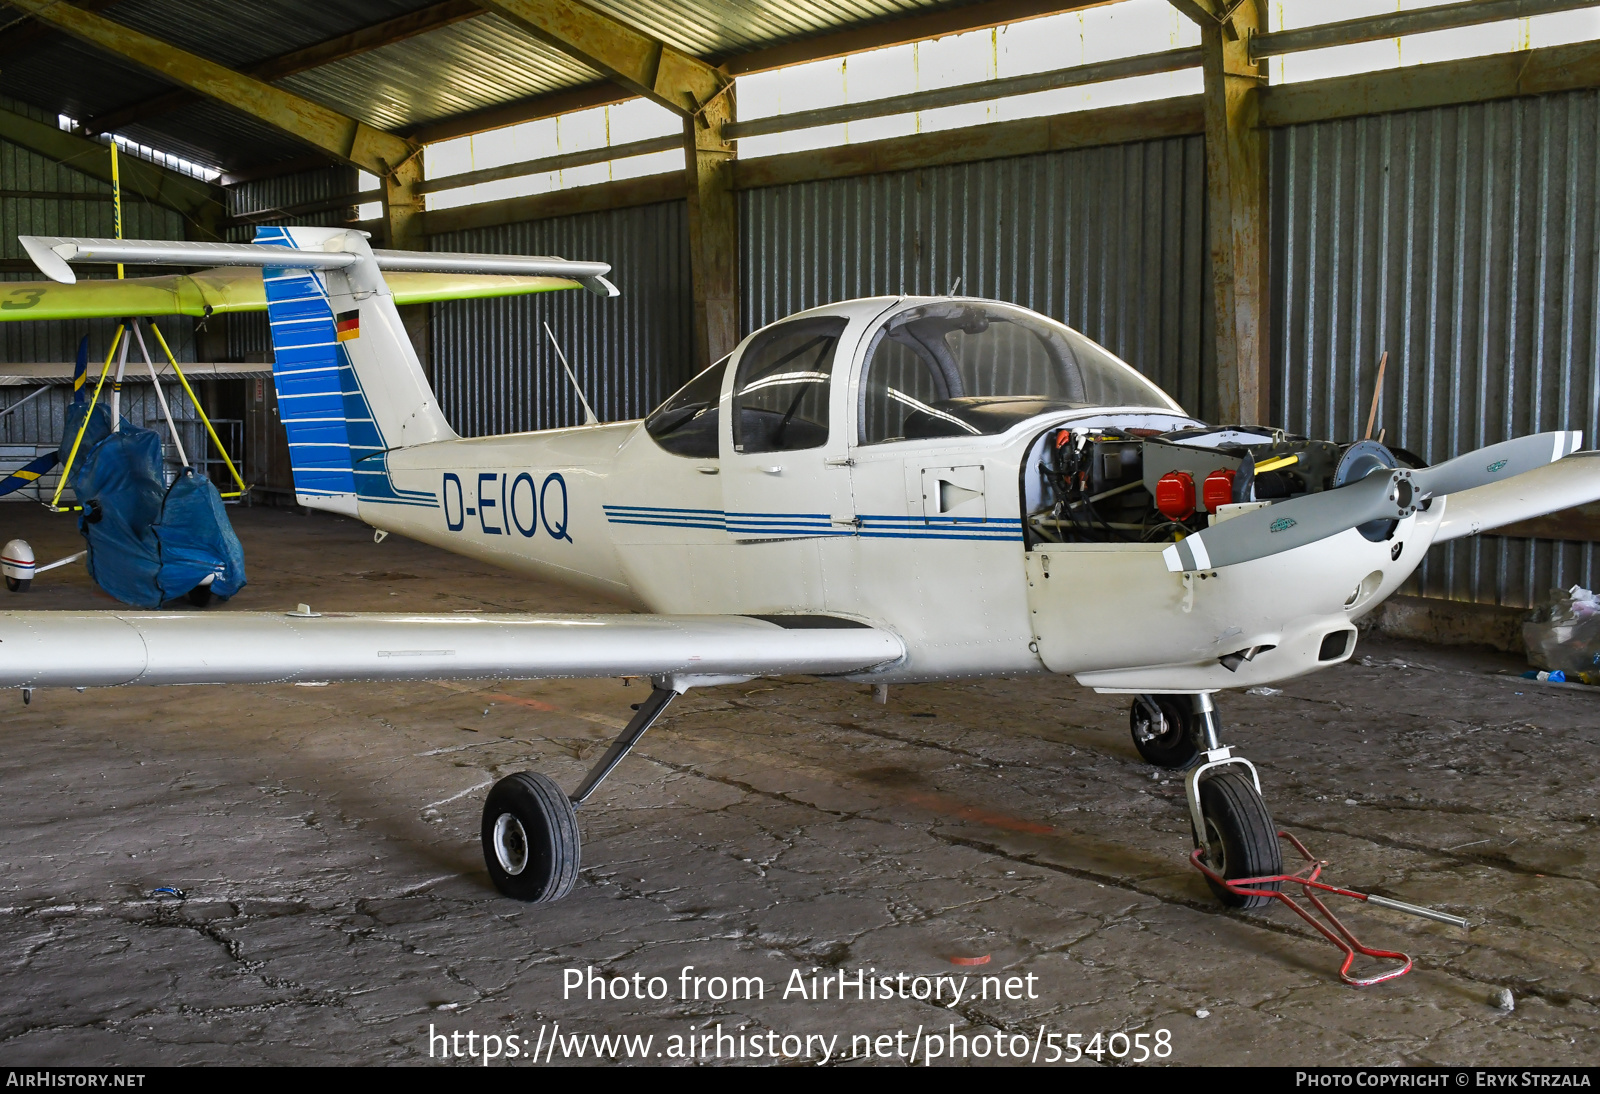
x,y
403,230
713,231
1236,203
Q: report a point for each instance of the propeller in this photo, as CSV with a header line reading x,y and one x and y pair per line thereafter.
x,y
1382,495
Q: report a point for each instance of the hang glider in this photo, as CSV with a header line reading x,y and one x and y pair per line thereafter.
x,y
233,286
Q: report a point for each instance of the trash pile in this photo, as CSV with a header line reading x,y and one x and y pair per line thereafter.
x,y
1563,637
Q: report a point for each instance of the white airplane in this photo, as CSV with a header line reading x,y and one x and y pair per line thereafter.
x,y
884,490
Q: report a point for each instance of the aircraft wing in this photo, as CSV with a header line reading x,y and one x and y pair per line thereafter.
x,y
238,289
1574,480
105,649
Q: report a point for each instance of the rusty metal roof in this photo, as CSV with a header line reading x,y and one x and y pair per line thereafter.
x,y
467,66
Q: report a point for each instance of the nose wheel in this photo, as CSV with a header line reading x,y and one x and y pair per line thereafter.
x,y
1239,839
1233,831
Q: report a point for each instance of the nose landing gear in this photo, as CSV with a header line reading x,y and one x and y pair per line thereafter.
x,y
1231,825
1236,843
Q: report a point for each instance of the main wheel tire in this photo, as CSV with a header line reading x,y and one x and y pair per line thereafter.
x,y
200,595
18,584
1240,838
1170,744
530,838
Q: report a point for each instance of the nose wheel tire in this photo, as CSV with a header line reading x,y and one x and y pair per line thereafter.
x,y
1240,838
530,838
1165,741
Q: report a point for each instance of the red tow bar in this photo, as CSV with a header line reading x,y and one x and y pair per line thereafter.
x,y
1307,878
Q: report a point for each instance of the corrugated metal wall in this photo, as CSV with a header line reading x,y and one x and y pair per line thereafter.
x,y
1110,240
1465,243
41,422
248,337
83,208
289,192
493,366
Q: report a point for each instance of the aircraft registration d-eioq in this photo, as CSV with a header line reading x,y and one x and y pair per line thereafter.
x,y
885,490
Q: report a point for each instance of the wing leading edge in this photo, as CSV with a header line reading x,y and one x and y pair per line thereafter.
x,y
108,649
237,289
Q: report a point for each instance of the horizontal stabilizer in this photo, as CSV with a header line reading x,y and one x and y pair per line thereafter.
x,y
100,649
54,256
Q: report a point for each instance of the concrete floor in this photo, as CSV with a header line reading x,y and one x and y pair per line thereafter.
x,y
337,905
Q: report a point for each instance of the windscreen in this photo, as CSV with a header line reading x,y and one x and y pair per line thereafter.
x,y
968,367
686,424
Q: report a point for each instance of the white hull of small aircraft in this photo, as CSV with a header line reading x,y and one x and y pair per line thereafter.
x,y
857,546
1109,614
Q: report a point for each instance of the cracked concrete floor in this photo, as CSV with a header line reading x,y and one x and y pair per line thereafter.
x,y
337,902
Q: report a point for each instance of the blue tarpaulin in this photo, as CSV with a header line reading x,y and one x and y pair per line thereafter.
x,y
149,544
197,540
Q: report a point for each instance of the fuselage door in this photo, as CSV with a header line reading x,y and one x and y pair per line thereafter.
x,y
784,452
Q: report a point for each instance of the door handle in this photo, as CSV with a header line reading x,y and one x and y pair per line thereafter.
x,y
773,470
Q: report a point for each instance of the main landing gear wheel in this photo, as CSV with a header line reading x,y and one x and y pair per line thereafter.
x,y
530,838
1240,839
200,595
18,584
1161,729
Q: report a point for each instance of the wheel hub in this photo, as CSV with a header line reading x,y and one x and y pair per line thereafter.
x,y
510,844
1216,850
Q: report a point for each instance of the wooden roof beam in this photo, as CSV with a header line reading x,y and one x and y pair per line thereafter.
x,y
327,130
902,31
194,198
879,35
642,64
355,43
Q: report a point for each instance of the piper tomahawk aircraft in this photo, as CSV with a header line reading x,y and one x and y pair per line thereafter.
x,y
883,490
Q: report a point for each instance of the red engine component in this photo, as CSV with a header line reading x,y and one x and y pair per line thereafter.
x,y
1218,489
1175,495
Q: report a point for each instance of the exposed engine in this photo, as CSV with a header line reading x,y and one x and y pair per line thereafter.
x,y
1097,485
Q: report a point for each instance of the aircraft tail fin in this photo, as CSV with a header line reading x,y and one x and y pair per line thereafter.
x,y
350,386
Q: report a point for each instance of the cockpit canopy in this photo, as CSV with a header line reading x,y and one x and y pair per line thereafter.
x,y
957,368
942,368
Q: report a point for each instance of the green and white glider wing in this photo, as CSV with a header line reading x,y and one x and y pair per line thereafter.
x,y
237,289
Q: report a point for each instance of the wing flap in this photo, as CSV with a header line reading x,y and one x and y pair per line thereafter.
x,y
1574,480
99,649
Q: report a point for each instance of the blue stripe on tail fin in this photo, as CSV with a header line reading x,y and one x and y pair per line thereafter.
x,y
336,448
306,368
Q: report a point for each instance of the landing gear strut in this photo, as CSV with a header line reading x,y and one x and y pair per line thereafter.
x,y
531,842
1228,818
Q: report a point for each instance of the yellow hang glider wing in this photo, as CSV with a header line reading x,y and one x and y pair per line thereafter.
x,y
234,289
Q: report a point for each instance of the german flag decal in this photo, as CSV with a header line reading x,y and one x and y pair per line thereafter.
x,y
348,325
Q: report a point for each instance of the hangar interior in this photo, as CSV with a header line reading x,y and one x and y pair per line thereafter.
x,y
1251,204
